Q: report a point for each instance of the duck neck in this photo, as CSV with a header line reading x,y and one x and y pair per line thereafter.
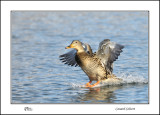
x,y
80,49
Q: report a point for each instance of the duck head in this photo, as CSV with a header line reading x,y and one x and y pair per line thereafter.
x,y
76,44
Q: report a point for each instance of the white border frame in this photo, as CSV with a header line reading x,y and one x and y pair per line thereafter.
x,y
152,107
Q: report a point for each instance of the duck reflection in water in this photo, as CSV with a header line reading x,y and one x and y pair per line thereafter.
x,y
105,93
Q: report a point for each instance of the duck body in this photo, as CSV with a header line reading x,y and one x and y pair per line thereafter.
x,y
91,66
98,66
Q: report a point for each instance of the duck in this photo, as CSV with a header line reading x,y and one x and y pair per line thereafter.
x,y
98,66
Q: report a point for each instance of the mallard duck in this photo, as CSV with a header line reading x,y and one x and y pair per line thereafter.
x,y
99,65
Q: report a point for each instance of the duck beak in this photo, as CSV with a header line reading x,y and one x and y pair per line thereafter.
x,y
70,46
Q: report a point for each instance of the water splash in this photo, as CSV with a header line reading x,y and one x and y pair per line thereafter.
x,y
127,78
77,85
133,78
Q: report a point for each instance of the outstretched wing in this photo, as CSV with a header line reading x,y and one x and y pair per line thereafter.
x,y
108,52
69,58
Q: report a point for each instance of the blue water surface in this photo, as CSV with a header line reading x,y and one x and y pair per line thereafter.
x,y
38,38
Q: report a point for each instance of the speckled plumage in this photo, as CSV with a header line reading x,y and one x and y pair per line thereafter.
x,y
91,66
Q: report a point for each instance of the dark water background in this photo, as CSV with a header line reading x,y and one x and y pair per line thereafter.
x,y
38,38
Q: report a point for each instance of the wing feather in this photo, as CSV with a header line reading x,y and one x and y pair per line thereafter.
x,y
108,52
69,58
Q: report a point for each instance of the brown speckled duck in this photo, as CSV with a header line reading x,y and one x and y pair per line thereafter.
x,y
99,65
